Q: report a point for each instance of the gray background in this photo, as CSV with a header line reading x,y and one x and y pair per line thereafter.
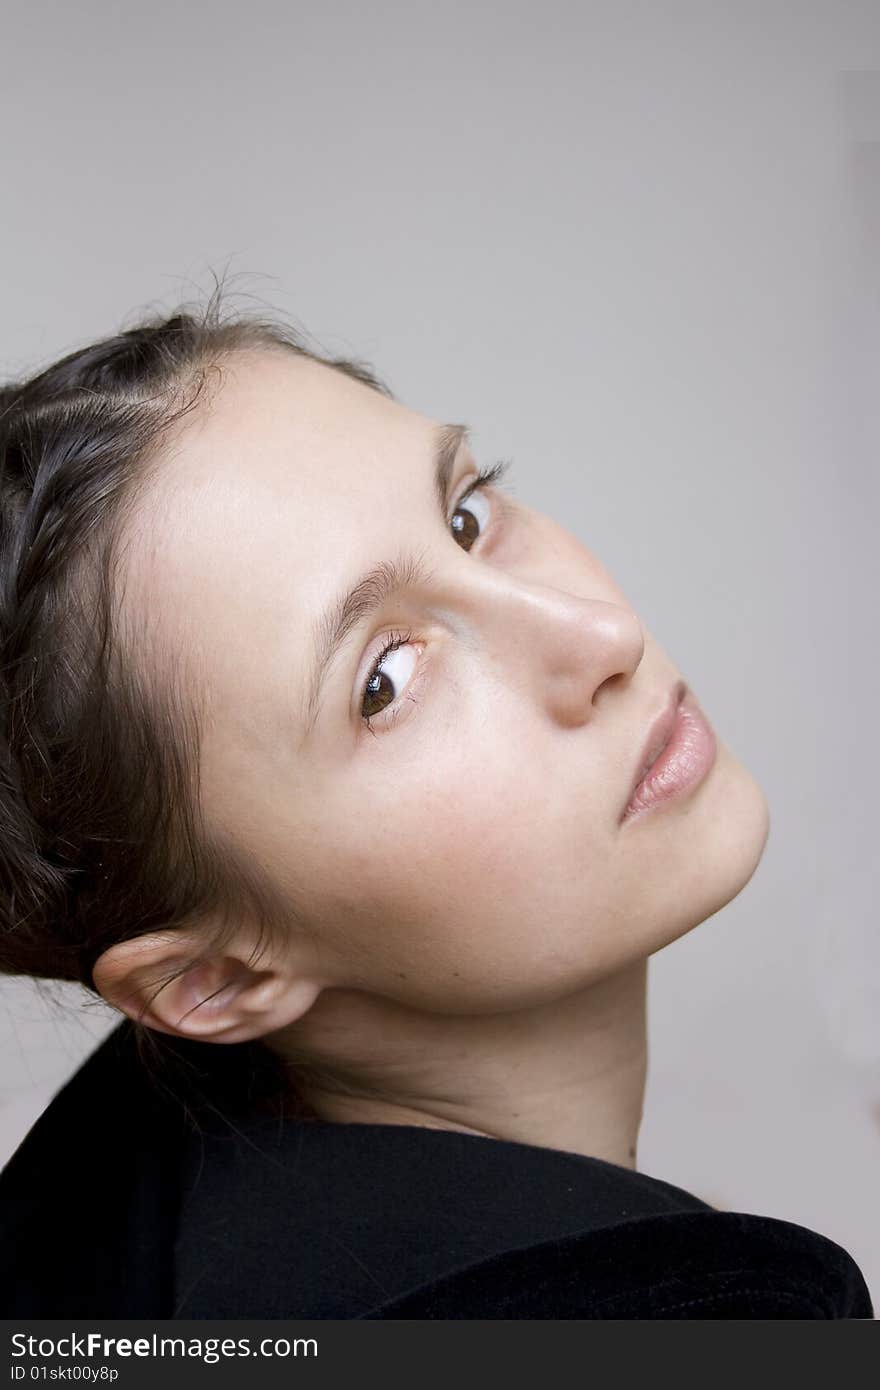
x,y
635,245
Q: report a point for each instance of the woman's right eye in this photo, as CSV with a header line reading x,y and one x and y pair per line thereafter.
x,y
373,691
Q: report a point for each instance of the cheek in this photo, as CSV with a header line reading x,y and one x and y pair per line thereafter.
x,y
460,810
469,885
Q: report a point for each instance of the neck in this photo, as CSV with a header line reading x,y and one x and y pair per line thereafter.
x,y
568,1075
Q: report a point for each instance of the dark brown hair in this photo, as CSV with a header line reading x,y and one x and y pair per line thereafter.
x,y
101,835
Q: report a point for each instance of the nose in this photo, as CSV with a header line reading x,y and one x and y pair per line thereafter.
x,y
584,642
563,647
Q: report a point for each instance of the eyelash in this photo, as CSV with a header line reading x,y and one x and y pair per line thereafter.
x,y
485,478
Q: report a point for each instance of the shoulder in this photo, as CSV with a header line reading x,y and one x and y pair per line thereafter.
x,y
706,1265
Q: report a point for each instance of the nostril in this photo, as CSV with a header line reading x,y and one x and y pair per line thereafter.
x,y
619,678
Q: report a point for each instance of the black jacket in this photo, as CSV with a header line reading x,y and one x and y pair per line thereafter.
x,y
124,1202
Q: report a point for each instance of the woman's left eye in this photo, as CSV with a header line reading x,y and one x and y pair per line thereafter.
x,y
379,683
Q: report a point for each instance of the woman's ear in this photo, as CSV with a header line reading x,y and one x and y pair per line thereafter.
x,y
221,996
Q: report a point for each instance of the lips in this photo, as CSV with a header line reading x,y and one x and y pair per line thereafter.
x,y
659,735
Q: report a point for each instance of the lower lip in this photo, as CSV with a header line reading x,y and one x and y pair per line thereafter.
x,y
683,764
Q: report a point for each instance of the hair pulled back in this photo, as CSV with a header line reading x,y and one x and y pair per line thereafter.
x,y
101,837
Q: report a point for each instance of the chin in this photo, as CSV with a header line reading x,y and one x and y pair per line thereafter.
x,y
733,840
739,827
705,853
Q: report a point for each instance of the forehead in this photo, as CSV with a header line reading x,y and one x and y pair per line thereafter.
x,y
281,418
275,491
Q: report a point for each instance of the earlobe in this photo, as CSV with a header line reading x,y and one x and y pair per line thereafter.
x,y
222,998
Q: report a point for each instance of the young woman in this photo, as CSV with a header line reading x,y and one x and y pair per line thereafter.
x,y
360,790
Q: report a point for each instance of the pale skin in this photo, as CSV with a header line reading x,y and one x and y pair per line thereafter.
x,y
470,921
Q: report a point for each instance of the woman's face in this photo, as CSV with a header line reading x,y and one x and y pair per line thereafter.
x,y
463,851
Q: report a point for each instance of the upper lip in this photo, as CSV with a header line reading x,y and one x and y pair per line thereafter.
x,y
658,734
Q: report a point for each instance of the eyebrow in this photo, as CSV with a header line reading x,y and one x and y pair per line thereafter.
x,y
380,581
